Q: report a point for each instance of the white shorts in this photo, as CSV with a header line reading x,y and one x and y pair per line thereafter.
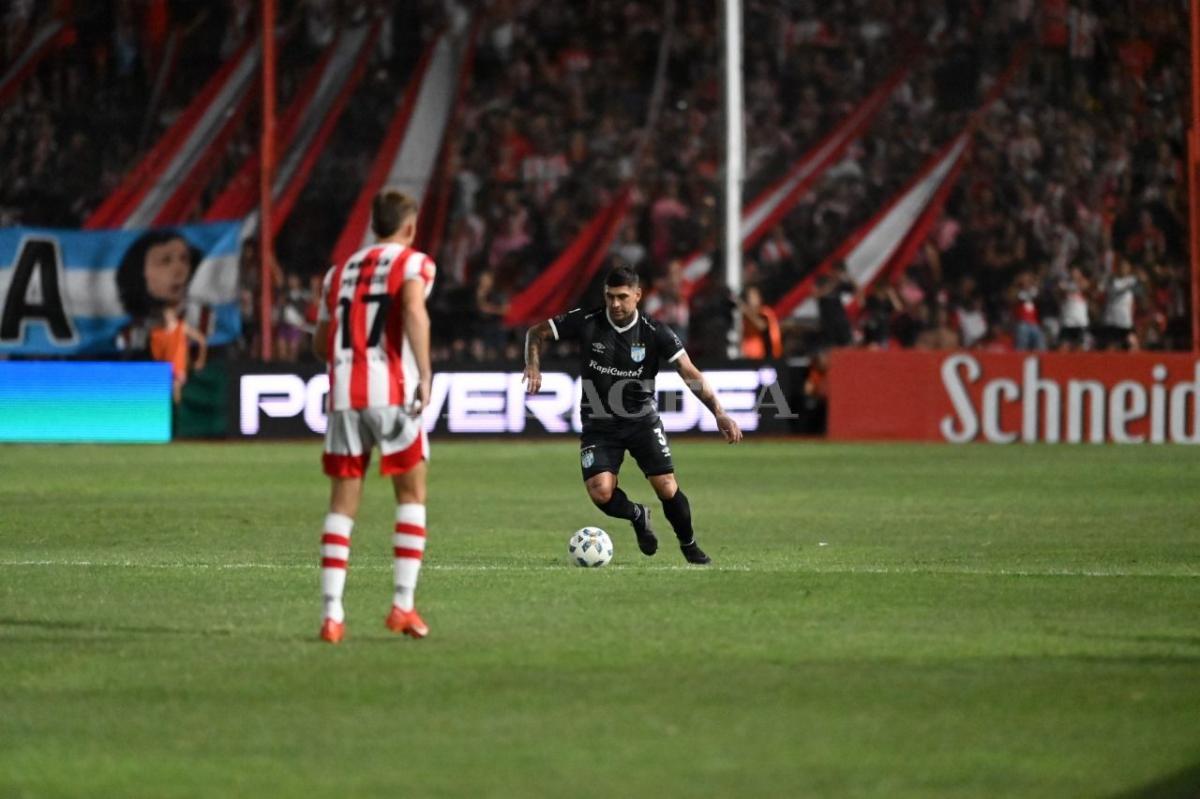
x,y
352,434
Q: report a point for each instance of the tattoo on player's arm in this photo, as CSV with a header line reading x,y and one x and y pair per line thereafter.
x,y
533,343
698,385
708,397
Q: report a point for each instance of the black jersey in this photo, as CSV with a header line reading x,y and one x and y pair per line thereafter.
x,y
618,364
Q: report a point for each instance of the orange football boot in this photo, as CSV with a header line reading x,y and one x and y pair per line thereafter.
x,y
333,631
407,622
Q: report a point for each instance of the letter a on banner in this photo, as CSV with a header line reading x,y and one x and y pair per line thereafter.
x,y
35,293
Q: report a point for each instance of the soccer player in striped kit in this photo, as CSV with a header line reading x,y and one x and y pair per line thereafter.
x,y
373,332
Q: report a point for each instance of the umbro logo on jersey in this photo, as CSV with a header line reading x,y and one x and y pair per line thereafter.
x,y
597,346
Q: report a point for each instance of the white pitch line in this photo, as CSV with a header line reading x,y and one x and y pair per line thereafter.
x,y
447,567
484,567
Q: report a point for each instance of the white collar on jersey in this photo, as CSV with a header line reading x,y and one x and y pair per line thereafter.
x,y
621,329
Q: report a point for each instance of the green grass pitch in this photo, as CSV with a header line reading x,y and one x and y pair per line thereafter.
x,y
882,621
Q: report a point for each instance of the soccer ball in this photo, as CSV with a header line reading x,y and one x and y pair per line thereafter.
x,y
590,546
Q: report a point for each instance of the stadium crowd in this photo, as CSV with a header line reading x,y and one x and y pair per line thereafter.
x,y
1066,229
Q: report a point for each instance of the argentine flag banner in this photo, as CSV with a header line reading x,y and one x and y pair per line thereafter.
x,y
76,292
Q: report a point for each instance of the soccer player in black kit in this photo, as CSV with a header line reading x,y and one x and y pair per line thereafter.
x,y
620,352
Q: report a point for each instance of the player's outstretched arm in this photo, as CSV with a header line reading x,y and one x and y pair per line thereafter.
x,y
533,356
416,332
704,392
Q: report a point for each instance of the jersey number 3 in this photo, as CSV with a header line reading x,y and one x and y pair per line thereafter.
x,y
384,301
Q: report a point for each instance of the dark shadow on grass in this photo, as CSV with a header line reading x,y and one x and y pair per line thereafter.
x,y
371,640
99,629
98,626
1182,640
1184,784
1151,659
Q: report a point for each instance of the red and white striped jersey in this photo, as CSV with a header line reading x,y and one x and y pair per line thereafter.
x,y
370,362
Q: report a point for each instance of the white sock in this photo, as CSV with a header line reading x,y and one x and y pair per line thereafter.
x,y
335,552
408,546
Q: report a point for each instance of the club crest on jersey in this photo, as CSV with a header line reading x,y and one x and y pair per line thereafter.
x,y
587,457
638,353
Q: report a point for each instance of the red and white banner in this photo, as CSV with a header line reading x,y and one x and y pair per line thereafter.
x,y
304,129
887,242
561,284
409,154
435,205
49,36
1002,398
766,210
890,237
167,183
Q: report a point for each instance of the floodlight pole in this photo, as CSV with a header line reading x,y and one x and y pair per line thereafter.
x,y
734,162
266,150
1194,177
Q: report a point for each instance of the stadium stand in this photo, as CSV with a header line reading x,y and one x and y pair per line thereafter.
x,y
1074,173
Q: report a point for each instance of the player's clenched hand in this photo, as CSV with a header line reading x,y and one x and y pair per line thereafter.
x,y
532,379
420,398
729,429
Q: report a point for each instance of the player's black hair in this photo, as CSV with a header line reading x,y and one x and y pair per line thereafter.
x,y
131,274
622,275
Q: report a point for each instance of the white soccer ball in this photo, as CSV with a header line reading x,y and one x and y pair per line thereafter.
x,y
590,547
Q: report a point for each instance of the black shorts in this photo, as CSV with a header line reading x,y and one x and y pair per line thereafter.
x,y
1071,335
603,450
1111,336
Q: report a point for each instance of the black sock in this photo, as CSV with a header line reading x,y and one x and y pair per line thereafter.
x,y
679,514
619,506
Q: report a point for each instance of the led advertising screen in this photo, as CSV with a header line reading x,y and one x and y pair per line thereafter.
x,y
69,401
290,402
